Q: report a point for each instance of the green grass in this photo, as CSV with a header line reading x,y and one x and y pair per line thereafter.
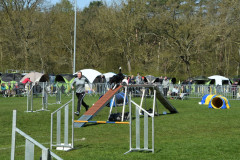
x,y
196,132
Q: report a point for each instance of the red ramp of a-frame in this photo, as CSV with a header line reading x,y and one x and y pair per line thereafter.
x,y
102,102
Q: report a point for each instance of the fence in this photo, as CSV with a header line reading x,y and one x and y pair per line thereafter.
x,y
29,144
65,145
191,91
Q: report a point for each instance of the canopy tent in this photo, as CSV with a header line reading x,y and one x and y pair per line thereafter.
x,y
218,80
64,78
36,77
215,101
149,78
200,80
64,82
100,79
109,75
90,74
8,77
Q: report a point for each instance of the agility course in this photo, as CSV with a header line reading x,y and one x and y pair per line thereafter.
x,y
107,140
67,145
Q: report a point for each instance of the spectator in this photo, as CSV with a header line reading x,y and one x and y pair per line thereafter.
x,y
234,89
190,82
184,88
101,85
174,92
160,79
165,85
26,80
132,80
128,79
3,89
138,79
9,89
16,89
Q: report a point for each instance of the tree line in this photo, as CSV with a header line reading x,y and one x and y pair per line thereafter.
x,y
183,38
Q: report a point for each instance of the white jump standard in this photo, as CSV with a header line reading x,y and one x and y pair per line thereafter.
x,y
29,144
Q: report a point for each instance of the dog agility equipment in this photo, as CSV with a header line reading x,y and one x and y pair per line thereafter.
x,y
29,144
102,102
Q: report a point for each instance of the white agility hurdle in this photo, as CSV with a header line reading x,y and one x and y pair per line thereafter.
x,y
138,109
66,146
58,94
30,99
44,97
29,144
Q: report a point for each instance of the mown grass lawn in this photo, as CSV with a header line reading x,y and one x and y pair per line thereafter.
x,y
196,132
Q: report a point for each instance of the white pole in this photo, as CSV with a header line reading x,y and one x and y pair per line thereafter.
x,y
143,94
124,103
14,125
75,28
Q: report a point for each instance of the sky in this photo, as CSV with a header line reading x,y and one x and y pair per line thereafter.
x,y
80,3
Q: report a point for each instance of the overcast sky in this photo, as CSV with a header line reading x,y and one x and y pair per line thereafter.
x,y
80,3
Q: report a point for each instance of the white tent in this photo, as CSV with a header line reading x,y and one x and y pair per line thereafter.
x,y
34,77
109,75
90,74
219,79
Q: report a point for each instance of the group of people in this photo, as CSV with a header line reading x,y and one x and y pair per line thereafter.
x,y
12,89
134,80
9,89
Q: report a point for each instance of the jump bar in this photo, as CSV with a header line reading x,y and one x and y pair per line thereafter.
x,y
101,122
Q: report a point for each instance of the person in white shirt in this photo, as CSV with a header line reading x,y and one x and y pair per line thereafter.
x,y
174,92
165,85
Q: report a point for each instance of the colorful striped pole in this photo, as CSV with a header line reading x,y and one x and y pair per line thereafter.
x,y
111,122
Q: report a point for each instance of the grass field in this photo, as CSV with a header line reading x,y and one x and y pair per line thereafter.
x,y
196,132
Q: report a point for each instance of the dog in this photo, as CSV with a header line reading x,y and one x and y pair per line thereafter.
x,y
116,79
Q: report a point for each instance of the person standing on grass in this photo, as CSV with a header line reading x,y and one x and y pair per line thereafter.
x,y
234,89
165,85
79,83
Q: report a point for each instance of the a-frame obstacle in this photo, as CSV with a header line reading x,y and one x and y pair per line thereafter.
x,y
102,102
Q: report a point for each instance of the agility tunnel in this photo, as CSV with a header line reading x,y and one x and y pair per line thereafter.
x,y
119,100
215,101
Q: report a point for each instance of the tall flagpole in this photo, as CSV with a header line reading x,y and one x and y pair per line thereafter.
x,y
75,28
